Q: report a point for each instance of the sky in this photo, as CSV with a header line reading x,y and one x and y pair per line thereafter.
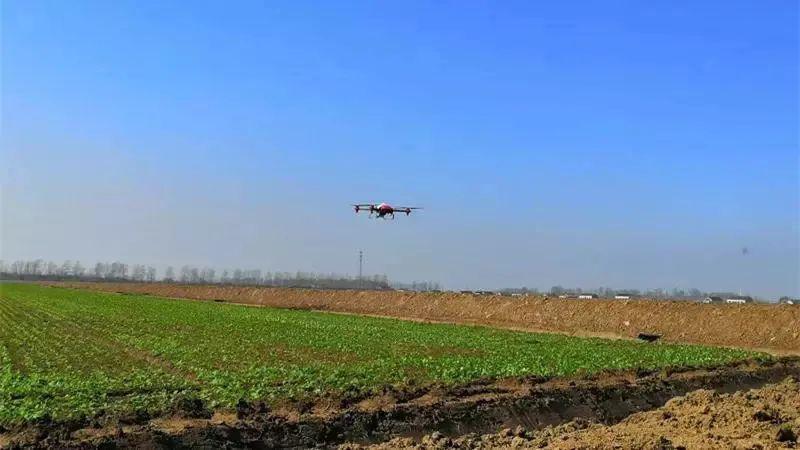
x,y
623,144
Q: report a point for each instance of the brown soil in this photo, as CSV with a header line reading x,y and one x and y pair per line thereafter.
x,y
765,418
775,328
590,412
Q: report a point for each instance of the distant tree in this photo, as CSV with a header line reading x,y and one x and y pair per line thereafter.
x,y
255,276
207,275
186,274
138,272
556,290
100,270
118,271
66,268
38,267
151,274
16,267
169,274
78,270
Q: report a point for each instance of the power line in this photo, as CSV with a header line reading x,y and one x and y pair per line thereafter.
x,y
360,269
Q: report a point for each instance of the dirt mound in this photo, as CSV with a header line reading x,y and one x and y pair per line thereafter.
x,y
556,406
769,327
765,418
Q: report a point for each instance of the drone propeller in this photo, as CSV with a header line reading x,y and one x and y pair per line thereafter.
x,y
363,206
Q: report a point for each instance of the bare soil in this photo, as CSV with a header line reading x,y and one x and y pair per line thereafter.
x,y
629,409
765,418
774,328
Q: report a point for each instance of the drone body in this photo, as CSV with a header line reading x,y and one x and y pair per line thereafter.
x,y
383,210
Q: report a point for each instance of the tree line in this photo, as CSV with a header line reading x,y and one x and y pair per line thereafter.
x,y
117,271
419,286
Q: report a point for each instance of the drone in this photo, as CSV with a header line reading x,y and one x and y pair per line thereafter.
x,y
383,210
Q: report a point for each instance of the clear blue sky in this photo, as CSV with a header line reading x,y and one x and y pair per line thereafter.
x,y
585,143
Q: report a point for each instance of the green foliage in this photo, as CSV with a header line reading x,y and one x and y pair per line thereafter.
x,y
69,353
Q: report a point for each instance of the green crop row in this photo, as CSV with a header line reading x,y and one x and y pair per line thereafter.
x,y
68,353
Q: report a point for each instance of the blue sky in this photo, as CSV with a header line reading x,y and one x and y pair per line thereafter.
x,y
613,143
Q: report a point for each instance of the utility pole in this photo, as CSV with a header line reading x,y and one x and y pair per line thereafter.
x,y
360,269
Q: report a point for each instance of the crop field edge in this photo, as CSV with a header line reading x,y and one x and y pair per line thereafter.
x,y
193,404
478,406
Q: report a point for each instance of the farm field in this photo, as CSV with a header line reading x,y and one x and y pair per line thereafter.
x,y
774,328
69,353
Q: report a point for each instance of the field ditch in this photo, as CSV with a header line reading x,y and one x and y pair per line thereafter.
x,y
775,328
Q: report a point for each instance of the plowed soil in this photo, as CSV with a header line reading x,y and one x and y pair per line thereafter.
x,y
622,409
768,327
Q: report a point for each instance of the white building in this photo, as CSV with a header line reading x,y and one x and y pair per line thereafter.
x,y
587,296
739,299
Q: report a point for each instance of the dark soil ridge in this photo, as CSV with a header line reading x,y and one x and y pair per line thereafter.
x,y
479,407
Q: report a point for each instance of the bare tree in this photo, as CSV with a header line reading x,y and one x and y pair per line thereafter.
x,y
186,274
151,274
138,272
207,275
119,270
78,270
66,268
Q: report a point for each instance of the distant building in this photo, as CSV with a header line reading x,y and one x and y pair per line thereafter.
x,y
789,301
467,292
567,295
739,299
713,299
623,296
587,296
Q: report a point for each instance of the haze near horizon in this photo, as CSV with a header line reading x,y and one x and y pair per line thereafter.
x,y
620,144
